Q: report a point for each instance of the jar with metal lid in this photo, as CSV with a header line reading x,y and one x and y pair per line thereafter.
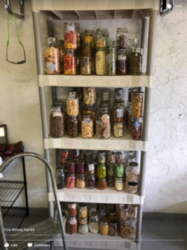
x,y
87,127
104,226
100,39
90,181
101,157
111,61
123,228
60,178
101,184
77,25
52,57
101,171
70,180
83,229
122,62
86,65
71,167
110,181
63,153
133,211
137,128
89,96
128,159
119,183
132,177
80,167
137,104
103,126
61,52
70,32
72,103
111,157
91,168
118,129
119,157
131,227
83,221
94,223
105,95
72,225
72,126
70,64
80,181
122,37
123,212
72,209
100,62
82,210
89,37
136,61
113,228
87,49
120,170
56,122
118,95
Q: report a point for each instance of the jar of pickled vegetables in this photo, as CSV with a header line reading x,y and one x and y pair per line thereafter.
x,y
70,36
70,65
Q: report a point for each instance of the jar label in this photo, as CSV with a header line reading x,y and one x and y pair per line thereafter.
x,y
57,113
120,112
122,57
91,167
50,66
72,222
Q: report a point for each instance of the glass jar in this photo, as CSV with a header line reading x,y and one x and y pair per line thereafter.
x,y
94,223
137,128
101,184
83,221
72,209
70,181
75,153
56,122
112,215
128,159
119,184
88,156
103,127
102,211
129,118
118,129
118,96
113,228
111,157
83,229
71,167
122,37
105,105
111,61
119,157
107,37
52,57
87,127
70,64
101,171
80,167
72,103
131,227
104,226
61,52
80,181
91,168
77,25
118,112
122,62
105,95
123,212
110,181
124,228
89,96
133,211
132,177
87,49
137,104
100,62
63,153
111,169
82,210
60,178
101,157
93,64
120,170
100,39
90,181
72,225
89,37
136,61
70,32
72,126
86,65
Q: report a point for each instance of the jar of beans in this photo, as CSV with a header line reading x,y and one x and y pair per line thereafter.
x,y
60,178
87,49
137,128
80,167
71,167
56,122
132,177
89,37
72,103
86,65
122,62
72,126
72,225
122,38
80,181
70,180
70,35
87,127
101,171
89,96
70,64
137,104
90,181
103,126
100,62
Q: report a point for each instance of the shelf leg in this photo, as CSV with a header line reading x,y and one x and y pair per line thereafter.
x,y
2,232
25,186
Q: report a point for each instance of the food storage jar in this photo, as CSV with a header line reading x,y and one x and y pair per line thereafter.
x,y
63,153
89,37
91,168
118,112
133,211
132,177
136,61
119,183
72,225
101,184
131,227
101,156
110,181
72,209
89,156
75,153
123,228
137,104
70,181
104,226
105,105
107,37
103,126
71,167
119,157
102,211
100,39
87,49
118,96
111,214
105,95
52,57
72,103
137,128
111,61
123,211
118,129
113,228
83,229
87,127
101,171
100,62
70,33
80,181
111,169
111,157
122,37
60,178
128,159
90,181
122,62
119,169
82,210
77,25
70,64
61,52
72,126
56,122
83,221
89,96
80,167
86,65
94,223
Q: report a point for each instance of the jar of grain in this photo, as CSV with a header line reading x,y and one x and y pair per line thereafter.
x,y
89,37
104,226
56,122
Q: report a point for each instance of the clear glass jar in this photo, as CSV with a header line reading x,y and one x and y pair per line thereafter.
x,y
124,228
118,95
105,95
87,127
89,96
63,153
132,177
112,214
72,225
122,37
52,57
101,184
93,64
83,229
94,223
133,211
100,39
71,167
76,153
104,226
118,129
77,25
91,168
100,62
86,65
119,157
80,167
90,181
101,157
80,181
72,103
102,211
103,127
87,49
111,169
56,122
89,37
120,170
137,128
113,228
131,227
122,62
137,104
101,171
110,181
128,159
83,210
83,221
118,112
123,212
60,178
72,209
70,181
136,62
111,157
70,32
129,118
111,61
119,184
72,126
107,37
61,51
92,208
70,64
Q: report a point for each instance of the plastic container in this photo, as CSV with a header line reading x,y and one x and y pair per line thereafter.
x,y
101,184
101,171
87,49
90,181
86,65
72,209
137,128
80,181
113,228
70,181
119,184
111,61
72,126
122,62
70,63
60,178
72,103
104,226
72,225
132,177
121,37
94,223
103,126
70,32
89,96
100,62
137,104
87,127
82,210
56,122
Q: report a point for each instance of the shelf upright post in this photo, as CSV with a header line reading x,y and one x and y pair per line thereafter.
x,y
40,70
150,59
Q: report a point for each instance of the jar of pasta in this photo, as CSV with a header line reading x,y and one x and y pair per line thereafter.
x,y
72,103
100,62
101,171
70,64
70,36
72,225
137,128
52,57
86,65
122,62
103,126
132,178
87,49
87,127
89,96
137,104
61,51
89,37
72,126
104,226
56,122
122,37
111,61
82,210
80,181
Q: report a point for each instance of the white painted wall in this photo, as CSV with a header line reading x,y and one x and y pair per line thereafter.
x,y
167,159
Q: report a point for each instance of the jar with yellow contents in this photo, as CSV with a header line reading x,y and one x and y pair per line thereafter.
x,y
89,36
101,171
104,226
100,61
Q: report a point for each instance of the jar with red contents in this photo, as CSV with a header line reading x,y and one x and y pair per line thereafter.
x,y
70,31
62,161
80,167
75,153
70,64
64,153
71,167
70,181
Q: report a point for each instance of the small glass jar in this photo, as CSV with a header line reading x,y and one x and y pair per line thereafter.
x,y
124,228
137,128
70,181
119,157
90,181
63,153
72,225
122,62
94,223
72,103
110,181
86,65
113,228
118,129
101,184
118,111
91,168
100,62
70,32
80,167
103,126
83,221
89,37
60,178
72,126
70,64
137,104
104,226
101,157
71,167
87,127
119,184
56,122
101,171
136,61
82,210
120,170
83,229
133,211
111,157
75,153
61,51
105,95
87,49
111,170
132,177
52,57
123,212
89,96
72,209
122,38
111,61
80,181
92,208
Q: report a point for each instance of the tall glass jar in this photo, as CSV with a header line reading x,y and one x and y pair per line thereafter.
x,y
56,122
89,96
60,178
101,171
111,157
133,211
52,57
132,178
119,157
86,65
77,25
94,223
107,37
72,103
61,51
100,40
123,212
72,126
118,96
111,170
72,209
87,127
101,157
70,64
136,62
137,104
137,128
118,111
90,110
87,49
80,167
122,62
103,127
89,37
71,167
72,225
128,159
70,32
102,211
100,62
110,181
124,228
122,37
90,181
120,170
111,61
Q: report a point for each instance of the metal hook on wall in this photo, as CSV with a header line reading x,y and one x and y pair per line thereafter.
x,y
165,7
9,10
